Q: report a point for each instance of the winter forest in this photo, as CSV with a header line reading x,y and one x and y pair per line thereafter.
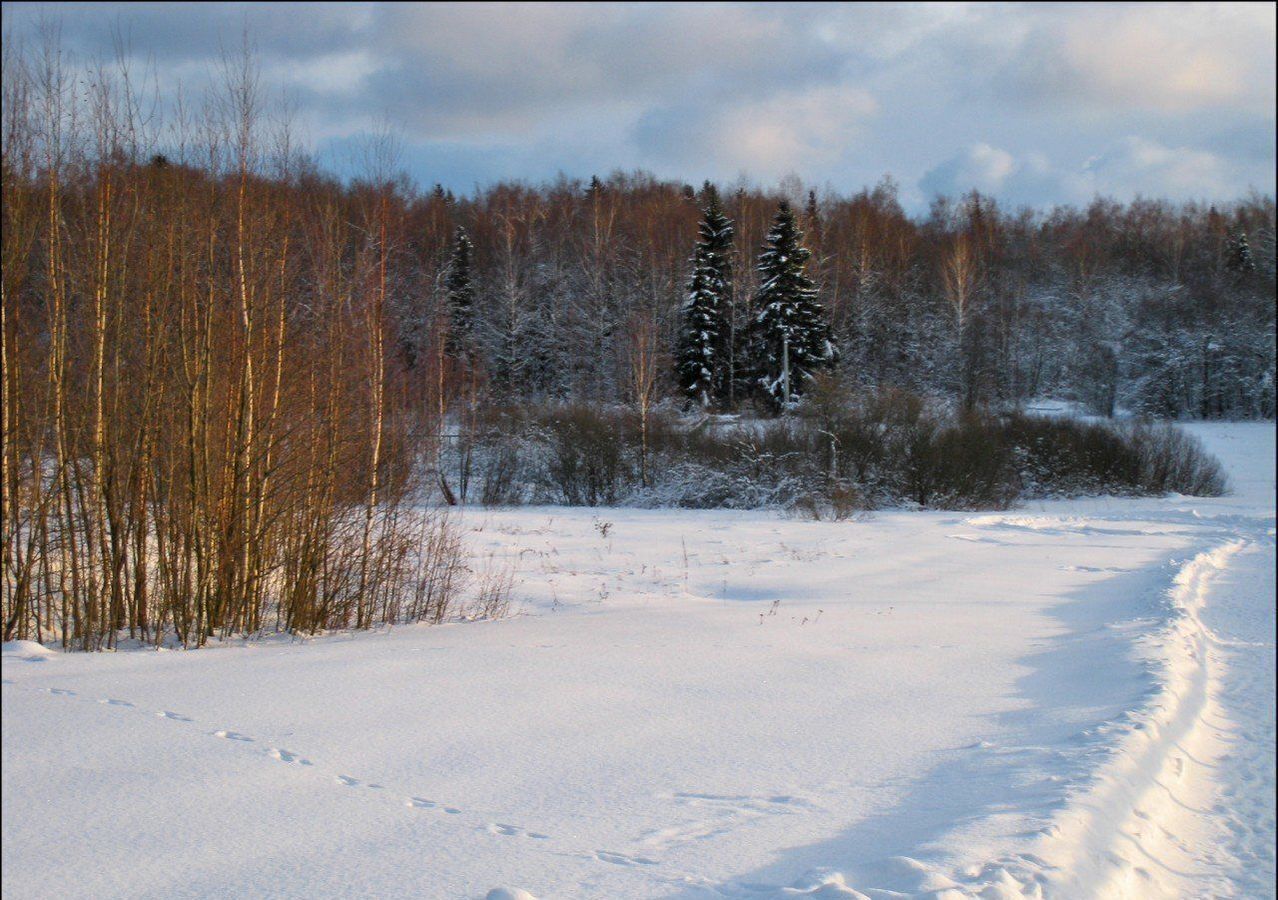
x,y
227,372
702,451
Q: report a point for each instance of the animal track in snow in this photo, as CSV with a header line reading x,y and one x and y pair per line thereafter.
x,y
423,803
292,757
288,756
621,859
502,828
718,814
662,838
777,803
233,736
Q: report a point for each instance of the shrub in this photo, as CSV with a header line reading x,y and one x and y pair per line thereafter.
x,y
1171,460
838,502
837,457
587,460
1068,457
973,466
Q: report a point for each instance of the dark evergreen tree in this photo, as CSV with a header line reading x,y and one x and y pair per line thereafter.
x,y
705,330
790,339
461,299
812,219
1239,258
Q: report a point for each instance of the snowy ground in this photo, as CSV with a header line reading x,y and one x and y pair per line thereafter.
x,y
1075,699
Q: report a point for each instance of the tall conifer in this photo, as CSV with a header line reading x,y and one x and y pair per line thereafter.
x,y
461,298
790,336
705,330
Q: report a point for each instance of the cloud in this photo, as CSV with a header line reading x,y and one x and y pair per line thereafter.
x,y
1013,99
1027,179
1133,166
768,137
1174,59
1139,166
980,167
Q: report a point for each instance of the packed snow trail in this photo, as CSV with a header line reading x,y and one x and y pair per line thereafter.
x,y
704,704
1182,802
1241,646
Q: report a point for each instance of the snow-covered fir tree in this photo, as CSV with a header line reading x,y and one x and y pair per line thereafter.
x,y
705,327
1239,258
790,336
461,299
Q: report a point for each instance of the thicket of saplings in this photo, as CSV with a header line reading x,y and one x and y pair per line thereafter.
x,y
835,456
203,436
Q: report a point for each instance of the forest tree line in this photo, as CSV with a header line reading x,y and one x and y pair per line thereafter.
x,y
226,372
1164,309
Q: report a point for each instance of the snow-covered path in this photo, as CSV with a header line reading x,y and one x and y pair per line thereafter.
x,y
1072,699
1241,634
1243,646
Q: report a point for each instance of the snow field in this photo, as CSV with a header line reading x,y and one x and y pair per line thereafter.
x,y
1063,701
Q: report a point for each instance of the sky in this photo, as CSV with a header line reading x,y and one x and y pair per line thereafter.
x,y
1034,104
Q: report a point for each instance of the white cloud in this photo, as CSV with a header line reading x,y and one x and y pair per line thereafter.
x,y
344,73
1170,59
1011,99
982,167
1131,166
789,130
1139,166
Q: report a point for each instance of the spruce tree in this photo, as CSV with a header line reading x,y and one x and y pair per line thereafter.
x,y
790,339
1239,258
461,299
812,220
705,330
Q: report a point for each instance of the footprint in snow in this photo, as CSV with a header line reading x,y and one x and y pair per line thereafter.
x,y
665,838
772,803
232,736
621,859
355,782
423,803
288,756
61,692
513,831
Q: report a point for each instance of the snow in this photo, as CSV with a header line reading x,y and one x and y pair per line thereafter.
x,y
27,650
1071,699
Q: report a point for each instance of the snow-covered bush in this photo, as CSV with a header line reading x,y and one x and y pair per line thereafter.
x,y
588,460
841,454
1172,460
